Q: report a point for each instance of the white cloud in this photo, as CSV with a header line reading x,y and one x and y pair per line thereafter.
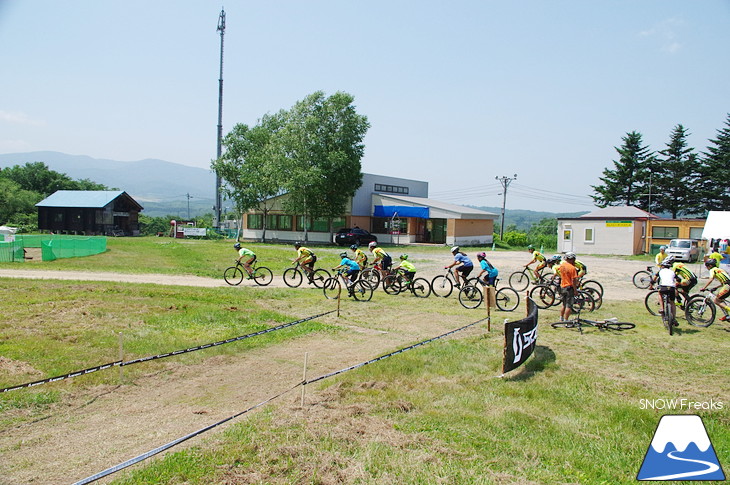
x,y
665,32
19,118
15,146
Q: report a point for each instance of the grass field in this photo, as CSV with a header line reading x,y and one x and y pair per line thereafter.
x,y
575,413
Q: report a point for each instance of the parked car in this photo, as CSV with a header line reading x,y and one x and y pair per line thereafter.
x,y
348,237
684,249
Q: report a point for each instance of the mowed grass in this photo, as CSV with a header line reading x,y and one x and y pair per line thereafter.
x,y
575,413
437,414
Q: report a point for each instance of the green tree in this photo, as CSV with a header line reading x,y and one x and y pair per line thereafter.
x,y
37,177
711,184
625,184
15,200
672,173
252,165
322,143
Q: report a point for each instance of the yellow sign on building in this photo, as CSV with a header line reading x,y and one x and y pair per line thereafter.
x,y
619,223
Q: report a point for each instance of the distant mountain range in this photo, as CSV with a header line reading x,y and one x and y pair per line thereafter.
x,y
162,188
166,188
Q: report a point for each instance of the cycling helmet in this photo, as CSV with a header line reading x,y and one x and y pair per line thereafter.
x,y
481,255
455,249
372,244
668,261
297,245
662,248
711,263
530,247
343,255
403,257
353,247
555,259
569,255
237,245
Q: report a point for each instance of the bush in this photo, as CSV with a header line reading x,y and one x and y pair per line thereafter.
x,y
514,238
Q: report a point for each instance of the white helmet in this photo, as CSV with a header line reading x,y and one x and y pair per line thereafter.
x,y
372,244
569,255
455,249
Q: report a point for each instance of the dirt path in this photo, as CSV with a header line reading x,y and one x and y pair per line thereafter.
x,y
103,426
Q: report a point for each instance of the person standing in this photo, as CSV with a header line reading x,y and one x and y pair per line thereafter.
x,y
568,284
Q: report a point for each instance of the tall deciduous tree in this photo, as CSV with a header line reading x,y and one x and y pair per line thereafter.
x,y
322,142
712,185
627,183
252,165
672,175
37,177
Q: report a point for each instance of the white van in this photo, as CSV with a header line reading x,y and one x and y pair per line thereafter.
x,y
684,249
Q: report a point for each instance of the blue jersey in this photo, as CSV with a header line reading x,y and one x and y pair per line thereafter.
x,y
464,259
491,270
350,263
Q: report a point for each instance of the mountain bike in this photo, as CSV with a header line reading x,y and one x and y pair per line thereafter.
x,y
701,310
653,303
442,285
397,282
360,290
520,280
607,324
645,279
293,277
669,313
374,275
471,295
261,275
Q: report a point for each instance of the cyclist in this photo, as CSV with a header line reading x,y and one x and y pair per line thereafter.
x,y
245,257
687,279
360,257
715,255
380,257
352,269
537,257
465,266
667,280
306,259
409,270
581,268
553,263
723,278
660,256
488,268
568,285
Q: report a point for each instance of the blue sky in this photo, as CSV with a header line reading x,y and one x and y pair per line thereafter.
x,y
457,93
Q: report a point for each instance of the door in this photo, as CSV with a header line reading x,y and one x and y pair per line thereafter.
x,y
567,238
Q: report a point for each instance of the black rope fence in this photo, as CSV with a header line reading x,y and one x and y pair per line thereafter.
x,y
171,444
121,363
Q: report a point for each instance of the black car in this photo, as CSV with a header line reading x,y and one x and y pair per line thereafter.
x,y
348,237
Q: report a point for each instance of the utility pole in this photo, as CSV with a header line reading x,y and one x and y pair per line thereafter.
x,y
505,181
218,201
189,197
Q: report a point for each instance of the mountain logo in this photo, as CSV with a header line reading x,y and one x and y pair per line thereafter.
x,y
680,450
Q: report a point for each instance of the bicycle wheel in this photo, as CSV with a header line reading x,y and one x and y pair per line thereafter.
x,y
543,296
507,299
564,325
619,325
652,302
442,286
597,297
361,290
319,277
470,297
293,278
700,311
583,302
642,279
262,276
392,284
372,276
233,275
519,280
593,284
331,288
421,287
667,315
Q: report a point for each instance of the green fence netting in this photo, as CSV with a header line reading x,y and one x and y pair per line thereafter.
x,y
52,247
10,252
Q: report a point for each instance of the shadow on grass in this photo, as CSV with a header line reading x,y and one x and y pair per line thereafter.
x,y
540,359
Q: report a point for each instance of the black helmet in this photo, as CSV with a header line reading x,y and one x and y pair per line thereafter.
x,y
353,247
237,245
297,244
343,255
668,261
711,263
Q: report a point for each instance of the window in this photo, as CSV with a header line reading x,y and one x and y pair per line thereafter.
x,y
384,225
320,224
393,189
280,222
658,232
695,232
588,235
255,221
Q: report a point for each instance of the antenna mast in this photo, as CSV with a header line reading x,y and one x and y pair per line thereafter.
x,y
218,201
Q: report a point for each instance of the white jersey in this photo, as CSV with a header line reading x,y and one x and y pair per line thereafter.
x,y
667,277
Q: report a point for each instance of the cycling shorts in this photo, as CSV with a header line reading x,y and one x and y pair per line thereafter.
x,y
465,270
353,274
670,291
386,263
723,292
687,283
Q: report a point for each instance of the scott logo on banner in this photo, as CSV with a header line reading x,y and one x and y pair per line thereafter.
x,y
681,450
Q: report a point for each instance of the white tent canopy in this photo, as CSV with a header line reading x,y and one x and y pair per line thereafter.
x,y
717,225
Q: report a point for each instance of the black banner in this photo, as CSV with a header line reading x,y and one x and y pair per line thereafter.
x,y
520,338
